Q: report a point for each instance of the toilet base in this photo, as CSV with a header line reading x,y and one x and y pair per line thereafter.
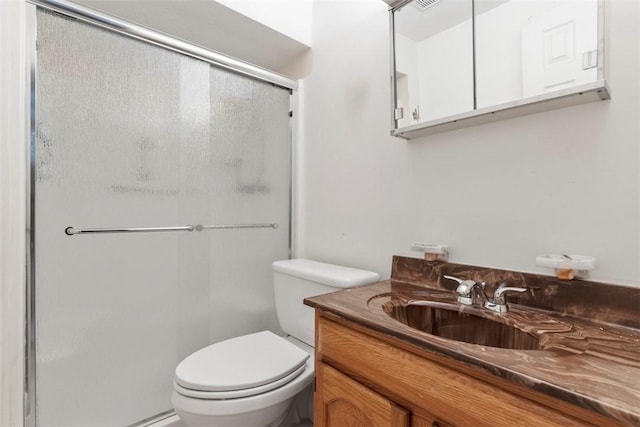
x,y
276,414
300,412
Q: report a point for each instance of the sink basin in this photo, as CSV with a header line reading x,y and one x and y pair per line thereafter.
x,y
435,319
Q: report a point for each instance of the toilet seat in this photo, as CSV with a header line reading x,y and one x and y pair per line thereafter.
x,y
235,394
240,367
187,406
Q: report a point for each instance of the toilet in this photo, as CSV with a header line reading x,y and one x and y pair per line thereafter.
x,y
262,379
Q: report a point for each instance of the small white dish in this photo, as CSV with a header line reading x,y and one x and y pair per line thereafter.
x,y
566,262
565,265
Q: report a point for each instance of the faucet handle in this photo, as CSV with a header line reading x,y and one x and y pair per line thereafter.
x,y
499,301
464,290
499,296
453,278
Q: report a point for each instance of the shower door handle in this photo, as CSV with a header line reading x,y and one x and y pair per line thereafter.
x,y
72,231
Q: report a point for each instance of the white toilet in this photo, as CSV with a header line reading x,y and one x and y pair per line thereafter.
x,y
253,380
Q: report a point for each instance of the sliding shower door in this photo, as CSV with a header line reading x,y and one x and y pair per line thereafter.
x,y
250,184
131,135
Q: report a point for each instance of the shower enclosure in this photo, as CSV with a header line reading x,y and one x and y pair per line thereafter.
x,y
160,196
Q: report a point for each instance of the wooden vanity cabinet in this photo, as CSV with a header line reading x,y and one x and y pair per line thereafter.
x,y
343,402
346,402
369,379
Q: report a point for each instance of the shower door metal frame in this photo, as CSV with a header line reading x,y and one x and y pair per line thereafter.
x,y
30,321
143,34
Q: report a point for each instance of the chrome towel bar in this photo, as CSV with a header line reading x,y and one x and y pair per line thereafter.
x,y
223,226
72,231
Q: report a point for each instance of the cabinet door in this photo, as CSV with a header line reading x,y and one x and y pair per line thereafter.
x,y
417,421
343,402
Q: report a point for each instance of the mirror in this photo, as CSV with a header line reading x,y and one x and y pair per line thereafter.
x,y
456,60
434,59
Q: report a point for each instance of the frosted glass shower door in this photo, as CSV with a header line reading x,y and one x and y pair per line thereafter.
x,y
250,171
131,135
122,141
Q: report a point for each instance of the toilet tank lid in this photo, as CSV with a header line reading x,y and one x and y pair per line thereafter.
x,y
327,274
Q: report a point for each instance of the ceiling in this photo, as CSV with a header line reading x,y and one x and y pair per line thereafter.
x,y
208,24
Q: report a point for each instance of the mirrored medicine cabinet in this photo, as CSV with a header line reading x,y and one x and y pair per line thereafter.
x,y
458,63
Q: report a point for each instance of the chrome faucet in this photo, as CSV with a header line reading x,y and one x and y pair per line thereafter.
x,y
472,293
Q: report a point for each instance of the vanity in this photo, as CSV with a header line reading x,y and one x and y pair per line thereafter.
x,y
406,352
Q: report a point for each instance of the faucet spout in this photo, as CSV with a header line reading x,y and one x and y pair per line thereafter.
x,y
479,296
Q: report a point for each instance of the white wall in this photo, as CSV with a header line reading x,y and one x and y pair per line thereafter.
x,y
13,164
277,14
499,194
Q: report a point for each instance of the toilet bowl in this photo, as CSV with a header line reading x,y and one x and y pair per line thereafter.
x,y
246,407
254,380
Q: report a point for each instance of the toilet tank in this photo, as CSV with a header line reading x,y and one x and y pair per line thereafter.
x,y
296,279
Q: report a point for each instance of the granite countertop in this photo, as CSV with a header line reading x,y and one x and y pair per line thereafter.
x,y
586,356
